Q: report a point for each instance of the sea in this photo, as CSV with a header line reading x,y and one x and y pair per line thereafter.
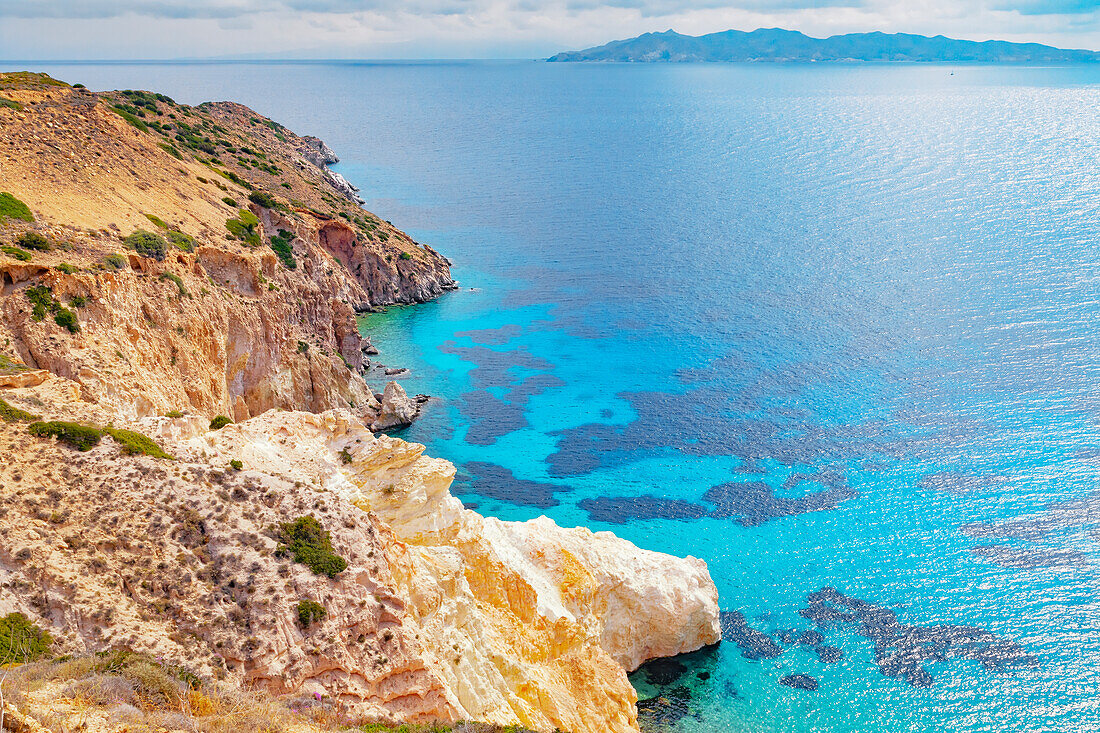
x,y
834,329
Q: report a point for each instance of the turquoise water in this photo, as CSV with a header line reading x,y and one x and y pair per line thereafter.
x,y
825,327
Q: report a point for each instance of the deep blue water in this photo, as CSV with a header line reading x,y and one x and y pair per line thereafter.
x,y
826,327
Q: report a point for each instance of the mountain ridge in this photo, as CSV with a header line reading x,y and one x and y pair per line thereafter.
x,y
782,45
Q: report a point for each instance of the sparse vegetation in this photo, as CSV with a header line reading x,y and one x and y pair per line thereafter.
x,y
236,464
345,457
264,199
81,437
33,240
157,221
303,347
244,227
220,422
147,244
310,544
10,104
134,443
14,414
280,243
78,301
175,279
66,268
181,240
229,200
173,414
21,641
13,208
20,254
42,301
310,612
130,114
405,256
114,261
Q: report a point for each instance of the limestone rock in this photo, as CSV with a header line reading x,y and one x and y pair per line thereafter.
x,y
397,409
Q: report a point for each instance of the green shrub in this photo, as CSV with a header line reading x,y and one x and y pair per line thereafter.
x,y
171,150
311,545
244,227
114,261
176,279
13,208
264,199
173,414
134,443
310,612
20,254
236,464
157,221
231,201
66,268
280,243
21,641
405,256
42,300
303,347
345,456
220,422
181,240
126,114
147,244
10,103
66,319
81,437
35,241
78,301
14,414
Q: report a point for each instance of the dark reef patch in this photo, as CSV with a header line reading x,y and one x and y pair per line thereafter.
x,y
663,672
800,682
668,708
498,482
753,644
755,502
491,417
622,509
901,650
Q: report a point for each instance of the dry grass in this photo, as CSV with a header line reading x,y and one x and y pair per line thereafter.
x,y
119,691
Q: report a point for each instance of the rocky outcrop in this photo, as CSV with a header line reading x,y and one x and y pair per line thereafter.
x,y
397,409
533,622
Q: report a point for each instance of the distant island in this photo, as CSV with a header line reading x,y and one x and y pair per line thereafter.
x,y
777,44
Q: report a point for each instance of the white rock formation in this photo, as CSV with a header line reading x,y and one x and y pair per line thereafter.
x,y
528,622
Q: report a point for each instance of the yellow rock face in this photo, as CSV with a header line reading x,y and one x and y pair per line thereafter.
x,y
526,623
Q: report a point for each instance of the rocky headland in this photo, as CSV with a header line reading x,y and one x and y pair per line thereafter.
x,y
195,470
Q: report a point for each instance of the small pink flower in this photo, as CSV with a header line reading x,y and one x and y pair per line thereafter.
x,y
317,695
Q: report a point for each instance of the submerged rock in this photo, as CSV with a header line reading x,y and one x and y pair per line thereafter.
x,y
800,682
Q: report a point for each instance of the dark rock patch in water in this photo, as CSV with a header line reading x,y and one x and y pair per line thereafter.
x,y
498,482
902,649
668,708
800,682
622,509
664,672
828,654
490,417
754,503
753,644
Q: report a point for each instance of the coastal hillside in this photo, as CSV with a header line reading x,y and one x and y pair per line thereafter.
x,y
777,44
199,502
204,258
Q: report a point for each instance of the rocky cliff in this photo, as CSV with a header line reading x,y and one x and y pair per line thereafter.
x,y
183,539
244,296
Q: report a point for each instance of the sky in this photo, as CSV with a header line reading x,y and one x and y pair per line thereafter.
x,y
401,29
